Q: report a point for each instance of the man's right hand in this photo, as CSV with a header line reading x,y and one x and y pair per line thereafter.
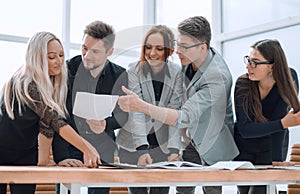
x,y
144,160
71,163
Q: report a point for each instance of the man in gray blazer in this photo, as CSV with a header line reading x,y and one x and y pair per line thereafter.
x,y
206,115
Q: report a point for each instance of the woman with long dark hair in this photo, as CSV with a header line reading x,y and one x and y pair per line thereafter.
x,y
266,104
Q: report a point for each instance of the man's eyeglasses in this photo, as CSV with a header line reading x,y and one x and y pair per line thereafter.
x,y
183,48
254,64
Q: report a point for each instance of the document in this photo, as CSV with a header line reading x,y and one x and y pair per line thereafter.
x,y
232,165
94,106
179,165
176,165
122,166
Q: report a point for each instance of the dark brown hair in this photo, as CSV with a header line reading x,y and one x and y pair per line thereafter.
x,y
197,28
103,31
272,51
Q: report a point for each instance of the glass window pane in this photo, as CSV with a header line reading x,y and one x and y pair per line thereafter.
x,y
12,58
171,12
126,18
119,14
24,18
242,14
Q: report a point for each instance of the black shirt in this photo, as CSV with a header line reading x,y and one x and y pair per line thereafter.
x,y
109,81
19,137
254,137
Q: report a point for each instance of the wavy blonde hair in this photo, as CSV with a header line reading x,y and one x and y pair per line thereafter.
x,y
53,89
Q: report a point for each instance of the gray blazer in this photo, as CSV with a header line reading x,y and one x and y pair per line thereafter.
x,y
207,113
134,134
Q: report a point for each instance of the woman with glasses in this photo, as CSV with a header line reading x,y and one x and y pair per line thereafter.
x,y
266,104
157,81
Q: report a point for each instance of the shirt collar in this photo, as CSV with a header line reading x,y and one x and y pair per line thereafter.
x,y
207,61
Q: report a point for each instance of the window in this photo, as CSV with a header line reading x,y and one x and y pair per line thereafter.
x,y
25,18
12,58
243,14
124,16
171,13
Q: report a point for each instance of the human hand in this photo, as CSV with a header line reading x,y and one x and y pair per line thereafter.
x,y
291,119
47,163
97,126
91,157
130,102
71,163
173,157
144,160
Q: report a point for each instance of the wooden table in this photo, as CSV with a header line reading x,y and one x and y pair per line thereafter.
x,y
78,179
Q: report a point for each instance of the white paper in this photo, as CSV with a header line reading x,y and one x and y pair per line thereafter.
x,y
296,167
179,165
232,165
94,106
175,165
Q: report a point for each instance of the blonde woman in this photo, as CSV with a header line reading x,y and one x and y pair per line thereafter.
x,y
33,102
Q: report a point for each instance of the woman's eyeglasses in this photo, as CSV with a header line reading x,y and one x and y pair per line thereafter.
x,y
254,64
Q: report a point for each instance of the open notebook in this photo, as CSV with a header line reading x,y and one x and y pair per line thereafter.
x,y
175,165
232,165
183,165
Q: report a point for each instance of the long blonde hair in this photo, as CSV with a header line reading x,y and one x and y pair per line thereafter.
x,y
53,90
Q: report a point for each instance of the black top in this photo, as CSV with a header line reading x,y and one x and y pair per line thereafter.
x,y
190,72
109,82
254,137
158,84
21,134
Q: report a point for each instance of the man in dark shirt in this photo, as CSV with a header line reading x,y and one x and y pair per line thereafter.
x,y
92,72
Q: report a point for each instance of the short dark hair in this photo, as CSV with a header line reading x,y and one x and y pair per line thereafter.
x,y
103,31
197,27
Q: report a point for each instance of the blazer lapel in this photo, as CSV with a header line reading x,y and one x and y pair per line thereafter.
x,y
147,88
196,77
200,71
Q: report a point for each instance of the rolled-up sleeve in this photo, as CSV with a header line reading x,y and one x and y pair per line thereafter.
x,y
183,119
